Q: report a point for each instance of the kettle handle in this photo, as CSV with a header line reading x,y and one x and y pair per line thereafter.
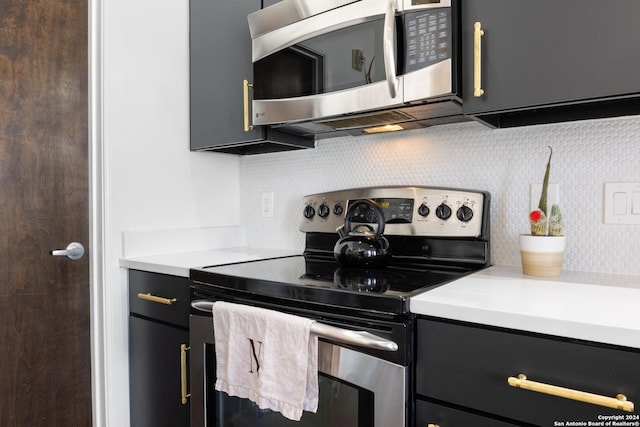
x,y
355,205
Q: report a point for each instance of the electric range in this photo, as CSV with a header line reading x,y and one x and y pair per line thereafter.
x,y
435,234
366,330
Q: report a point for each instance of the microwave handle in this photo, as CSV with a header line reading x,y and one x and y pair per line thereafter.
x,y
389,48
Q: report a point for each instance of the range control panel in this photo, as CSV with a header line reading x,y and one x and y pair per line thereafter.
x,y
408,211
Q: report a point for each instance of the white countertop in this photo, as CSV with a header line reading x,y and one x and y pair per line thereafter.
x,y
589,306
178,264
175,251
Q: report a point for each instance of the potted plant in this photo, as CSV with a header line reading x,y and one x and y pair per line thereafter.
x,y
542,251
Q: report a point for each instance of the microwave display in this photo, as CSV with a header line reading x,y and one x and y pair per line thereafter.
x,y
428,37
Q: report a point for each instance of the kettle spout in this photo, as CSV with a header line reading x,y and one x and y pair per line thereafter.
x,y
340,231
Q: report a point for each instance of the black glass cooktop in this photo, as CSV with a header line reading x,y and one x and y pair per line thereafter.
x,y
323,281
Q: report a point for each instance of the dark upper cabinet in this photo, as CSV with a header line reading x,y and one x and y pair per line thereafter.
x,y
551,54
220,59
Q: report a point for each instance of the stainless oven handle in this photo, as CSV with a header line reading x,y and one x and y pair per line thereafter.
x,y
389,48
358,338
344,336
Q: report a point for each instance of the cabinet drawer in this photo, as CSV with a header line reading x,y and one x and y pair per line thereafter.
x,y
431,414
469,366
159,296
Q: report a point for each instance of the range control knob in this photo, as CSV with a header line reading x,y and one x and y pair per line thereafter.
x,y
323,210
309,212
338,209
423,210
443,211
465,213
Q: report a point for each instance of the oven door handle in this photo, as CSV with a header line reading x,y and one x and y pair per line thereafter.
x,y
344,336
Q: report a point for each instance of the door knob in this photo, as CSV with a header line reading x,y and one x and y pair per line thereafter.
x,y
73,251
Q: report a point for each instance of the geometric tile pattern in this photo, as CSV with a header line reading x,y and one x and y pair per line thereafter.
x,y
586,154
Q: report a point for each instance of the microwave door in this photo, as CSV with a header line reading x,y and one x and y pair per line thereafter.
x,y
305,29
287,12
307,70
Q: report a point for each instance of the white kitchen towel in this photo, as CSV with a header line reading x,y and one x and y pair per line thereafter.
x,y
266,356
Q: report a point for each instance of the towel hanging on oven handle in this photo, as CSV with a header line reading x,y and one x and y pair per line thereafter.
x,y
344,336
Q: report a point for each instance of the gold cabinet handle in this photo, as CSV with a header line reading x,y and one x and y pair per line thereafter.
x,y
183,373
245,97
618,402
433,425
478,32
161,300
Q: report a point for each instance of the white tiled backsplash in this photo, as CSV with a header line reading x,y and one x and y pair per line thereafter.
x,y
504,162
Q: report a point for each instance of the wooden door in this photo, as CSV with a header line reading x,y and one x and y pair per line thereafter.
x,y
45,359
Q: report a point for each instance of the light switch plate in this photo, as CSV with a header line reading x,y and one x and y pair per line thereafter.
x,y
622,203
553,196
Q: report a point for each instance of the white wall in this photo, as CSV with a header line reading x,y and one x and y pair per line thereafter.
x,y
152,180
504,162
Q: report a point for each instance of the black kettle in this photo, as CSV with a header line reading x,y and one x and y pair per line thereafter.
x,y
362,245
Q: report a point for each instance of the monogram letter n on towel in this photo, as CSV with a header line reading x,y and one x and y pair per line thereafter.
x,y
266,356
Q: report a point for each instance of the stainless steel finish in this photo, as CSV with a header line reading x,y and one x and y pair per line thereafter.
x,y
407,6
74,251
345,336
287,12
370,97
432,83
389,48
386,380
299,31
420,226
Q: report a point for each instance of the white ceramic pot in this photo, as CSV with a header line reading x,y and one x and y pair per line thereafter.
x,y
542,255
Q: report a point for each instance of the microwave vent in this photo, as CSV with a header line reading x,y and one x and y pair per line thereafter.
x,y
378,119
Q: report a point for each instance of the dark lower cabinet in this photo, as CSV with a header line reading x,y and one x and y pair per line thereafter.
x,y
430,414
465,376
158,342
154,376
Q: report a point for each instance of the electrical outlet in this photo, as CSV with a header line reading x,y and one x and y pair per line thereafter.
x,y
553,196
266,205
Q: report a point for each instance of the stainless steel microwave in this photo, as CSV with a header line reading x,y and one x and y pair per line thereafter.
x,y
356,66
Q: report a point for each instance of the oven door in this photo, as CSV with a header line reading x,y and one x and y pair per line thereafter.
x,y
355,389
339,61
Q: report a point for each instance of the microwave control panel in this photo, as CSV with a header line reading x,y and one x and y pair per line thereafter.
x,y
428,37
